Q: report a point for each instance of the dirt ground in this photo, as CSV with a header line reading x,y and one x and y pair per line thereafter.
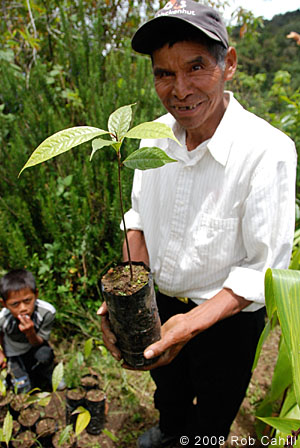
x,y
126,420
127,427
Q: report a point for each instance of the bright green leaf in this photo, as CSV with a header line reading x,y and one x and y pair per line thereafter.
x,y
2,388
119,121
285,425
65,435
151,129
82,421
110,435
61,142
57,376
145,158
7,427
284,289
88,347
99,143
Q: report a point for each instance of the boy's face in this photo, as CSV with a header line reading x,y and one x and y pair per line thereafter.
x,y
21,302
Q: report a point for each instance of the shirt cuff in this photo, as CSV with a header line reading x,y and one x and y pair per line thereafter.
x,y
132,221
247,283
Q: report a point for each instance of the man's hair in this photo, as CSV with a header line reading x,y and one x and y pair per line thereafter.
x,y
186,32
15,281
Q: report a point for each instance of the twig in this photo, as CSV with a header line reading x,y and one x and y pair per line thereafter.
x,y
291,440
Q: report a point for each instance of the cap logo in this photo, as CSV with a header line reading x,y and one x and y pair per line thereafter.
x,y
175,4
175,7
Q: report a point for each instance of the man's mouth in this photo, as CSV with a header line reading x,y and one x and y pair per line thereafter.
x,y
183,108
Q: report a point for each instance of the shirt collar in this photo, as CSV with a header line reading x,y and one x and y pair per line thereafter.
x,y
221,142
219,145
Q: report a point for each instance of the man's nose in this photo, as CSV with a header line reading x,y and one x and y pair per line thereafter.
x,y
182,87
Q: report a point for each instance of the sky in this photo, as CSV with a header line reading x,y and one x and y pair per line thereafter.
x,y
265,8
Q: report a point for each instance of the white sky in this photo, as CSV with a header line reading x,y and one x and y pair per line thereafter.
x,y
265,8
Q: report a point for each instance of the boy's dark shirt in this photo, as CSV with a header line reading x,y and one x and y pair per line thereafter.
x,y
15,342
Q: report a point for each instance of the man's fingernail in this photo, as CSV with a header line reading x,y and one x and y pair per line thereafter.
x,y
116,356
149,354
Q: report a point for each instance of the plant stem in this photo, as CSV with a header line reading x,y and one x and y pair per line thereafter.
x,y
122,212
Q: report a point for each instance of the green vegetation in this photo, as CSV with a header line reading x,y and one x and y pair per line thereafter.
x,y
68,64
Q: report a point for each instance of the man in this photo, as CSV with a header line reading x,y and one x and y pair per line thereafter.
x,y
209,226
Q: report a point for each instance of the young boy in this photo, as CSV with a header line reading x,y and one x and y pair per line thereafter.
x,y
25,326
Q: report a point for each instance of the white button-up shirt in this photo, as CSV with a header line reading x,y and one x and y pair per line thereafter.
x,y
223,213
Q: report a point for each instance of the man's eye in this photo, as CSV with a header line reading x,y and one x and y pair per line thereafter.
x,y
14,305
27,301
162,74
197,67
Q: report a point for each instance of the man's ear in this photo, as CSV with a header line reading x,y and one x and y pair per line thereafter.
x,y
231,64
2,303
36,294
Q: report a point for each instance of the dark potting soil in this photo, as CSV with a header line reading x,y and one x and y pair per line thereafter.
x,y
25,439
76,394
95,395
69,444
28,417
18,402
45,427
117,280
89,382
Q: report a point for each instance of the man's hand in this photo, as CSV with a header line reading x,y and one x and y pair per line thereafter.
x,y
175,333
109,338
3,360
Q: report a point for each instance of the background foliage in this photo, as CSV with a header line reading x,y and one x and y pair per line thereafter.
x,y
65,64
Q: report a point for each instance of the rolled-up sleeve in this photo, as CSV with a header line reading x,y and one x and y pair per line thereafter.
x,y
267,224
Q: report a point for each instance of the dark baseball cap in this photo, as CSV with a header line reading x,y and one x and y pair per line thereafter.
x,y
201,17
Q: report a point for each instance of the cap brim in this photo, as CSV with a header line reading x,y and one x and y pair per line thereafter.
x,y
146,37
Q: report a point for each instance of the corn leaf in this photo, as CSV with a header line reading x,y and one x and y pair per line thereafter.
x,y
285,288
285,425
146,158
151,129
61,142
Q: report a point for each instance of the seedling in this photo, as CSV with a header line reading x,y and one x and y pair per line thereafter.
x,y
118,129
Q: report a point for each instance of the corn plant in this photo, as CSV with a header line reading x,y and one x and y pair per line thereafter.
x,y
282,290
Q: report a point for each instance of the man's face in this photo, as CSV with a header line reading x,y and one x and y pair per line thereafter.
x,y
21,302
190,85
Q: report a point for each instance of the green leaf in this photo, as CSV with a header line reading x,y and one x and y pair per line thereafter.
x,y
7,427
119,121
83,419
65,435
151,129
284,290
110,435
285,425
57,376
2,388
263,337
99,143
88,347
61,142
146,158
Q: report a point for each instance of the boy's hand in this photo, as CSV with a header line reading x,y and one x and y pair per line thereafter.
x,y
3,360
26,324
